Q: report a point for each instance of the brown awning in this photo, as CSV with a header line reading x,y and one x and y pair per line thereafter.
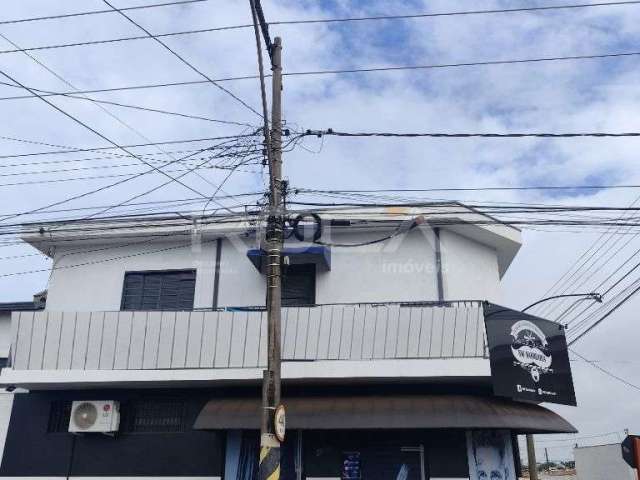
x,y
387,412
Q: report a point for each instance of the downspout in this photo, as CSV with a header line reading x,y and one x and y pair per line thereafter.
x,y
216,273
439,278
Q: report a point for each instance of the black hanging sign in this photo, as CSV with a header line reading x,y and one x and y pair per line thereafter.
x,y
628,450
529,357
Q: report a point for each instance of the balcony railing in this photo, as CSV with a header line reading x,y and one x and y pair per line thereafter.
x,y
237,338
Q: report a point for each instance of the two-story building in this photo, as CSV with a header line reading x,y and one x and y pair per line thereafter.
x,y
385,361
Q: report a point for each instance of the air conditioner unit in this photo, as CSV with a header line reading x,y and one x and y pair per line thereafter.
x,y
94,416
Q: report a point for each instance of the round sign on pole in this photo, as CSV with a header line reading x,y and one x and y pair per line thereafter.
x,y
279,423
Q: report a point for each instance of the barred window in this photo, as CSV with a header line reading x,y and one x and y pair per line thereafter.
x,y
154,416
59,416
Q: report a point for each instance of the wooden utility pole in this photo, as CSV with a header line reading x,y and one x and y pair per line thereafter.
x,y
531,455
269,466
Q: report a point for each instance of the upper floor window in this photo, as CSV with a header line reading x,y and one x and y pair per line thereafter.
x,y
299,285
171,290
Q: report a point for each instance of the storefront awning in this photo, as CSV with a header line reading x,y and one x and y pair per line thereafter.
x,y
388,412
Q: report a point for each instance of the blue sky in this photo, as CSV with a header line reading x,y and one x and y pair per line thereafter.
x,y
589,95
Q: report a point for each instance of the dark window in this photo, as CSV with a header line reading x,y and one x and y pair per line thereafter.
x,y
299,285
169,290
154,416
373,455
59,416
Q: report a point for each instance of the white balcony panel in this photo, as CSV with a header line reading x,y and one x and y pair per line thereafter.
x,y
238,339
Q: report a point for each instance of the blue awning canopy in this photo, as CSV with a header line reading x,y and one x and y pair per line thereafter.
x,y
317,254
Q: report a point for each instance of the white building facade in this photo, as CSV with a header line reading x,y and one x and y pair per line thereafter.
x,y
385,361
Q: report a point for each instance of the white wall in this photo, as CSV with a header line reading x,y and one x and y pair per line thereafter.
x,y
602,462
5,333
240,282
98,284
402,269
470,269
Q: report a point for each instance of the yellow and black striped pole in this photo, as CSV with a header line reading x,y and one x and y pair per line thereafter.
x,y
269,468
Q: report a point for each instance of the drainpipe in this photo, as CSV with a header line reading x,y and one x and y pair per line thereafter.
x,y
531,455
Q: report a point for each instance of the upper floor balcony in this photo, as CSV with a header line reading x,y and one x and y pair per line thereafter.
x,y
382,341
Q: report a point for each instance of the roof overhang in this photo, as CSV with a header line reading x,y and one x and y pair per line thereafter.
x,y
453,216
388,412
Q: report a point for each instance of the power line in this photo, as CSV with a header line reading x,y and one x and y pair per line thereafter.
x,y
437,215
154,202
293,22
567,276
104,109
182,59
605,371
48,93
449,14
473,189
91,192
605,316
609,277
108,112
160,222
134,145
159,214
116,40
577,324
581,437
93,262
98,177
137,87
14,257
572,321
112,166
432,209
110,156
461,64
331,132
193,169
328,72
96,12
93,130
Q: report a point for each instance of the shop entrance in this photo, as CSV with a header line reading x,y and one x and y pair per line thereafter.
x,y
391,462
366,455
355,455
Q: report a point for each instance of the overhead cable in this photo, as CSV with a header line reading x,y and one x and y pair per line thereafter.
x,y
96,12
134,145
605,316
183,60
130,106
330,71
605,371
96,132
334,133
327,20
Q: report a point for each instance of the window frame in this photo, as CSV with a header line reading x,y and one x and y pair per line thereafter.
x,y
149,272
